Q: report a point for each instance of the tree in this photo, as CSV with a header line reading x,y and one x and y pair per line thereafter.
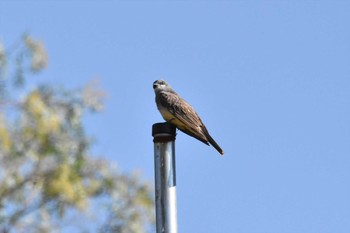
x,y
49,181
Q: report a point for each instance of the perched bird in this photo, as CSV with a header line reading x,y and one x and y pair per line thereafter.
x,y
178,112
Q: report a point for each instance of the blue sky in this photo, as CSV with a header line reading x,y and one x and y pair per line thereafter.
x,y
270,79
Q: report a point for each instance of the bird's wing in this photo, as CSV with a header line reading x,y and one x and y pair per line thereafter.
x,y
184,113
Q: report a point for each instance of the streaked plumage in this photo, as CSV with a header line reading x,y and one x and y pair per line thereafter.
x,y
177,111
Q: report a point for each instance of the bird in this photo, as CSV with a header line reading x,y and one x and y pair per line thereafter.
x,y
177,111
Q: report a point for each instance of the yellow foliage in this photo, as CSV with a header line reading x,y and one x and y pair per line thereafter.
x,y
39,54
5,140
35,104
47,120
66,184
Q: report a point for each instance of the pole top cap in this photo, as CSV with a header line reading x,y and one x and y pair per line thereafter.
x,y
163,128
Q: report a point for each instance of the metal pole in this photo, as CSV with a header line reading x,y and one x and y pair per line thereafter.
x,y
165,177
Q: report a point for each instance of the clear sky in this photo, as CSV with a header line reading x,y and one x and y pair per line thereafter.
x,y
270,79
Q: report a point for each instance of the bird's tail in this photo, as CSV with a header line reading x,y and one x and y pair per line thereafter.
x,y
214,144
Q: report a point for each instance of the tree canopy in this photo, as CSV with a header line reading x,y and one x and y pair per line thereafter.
x,y
49,180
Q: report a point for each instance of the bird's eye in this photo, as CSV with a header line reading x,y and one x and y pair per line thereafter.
x,y
154,86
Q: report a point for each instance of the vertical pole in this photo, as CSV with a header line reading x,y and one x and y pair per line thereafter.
x,y
165,177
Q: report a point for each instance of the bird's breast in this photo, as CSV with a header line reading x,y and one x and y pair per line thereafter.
x,y
172,119
166,114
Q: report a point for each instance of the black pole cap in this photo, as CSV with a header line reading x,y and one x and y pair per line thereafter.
x,y
163,132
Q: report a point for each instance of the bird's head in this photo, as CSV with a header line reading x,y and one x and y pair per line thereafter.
x,y
161,85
